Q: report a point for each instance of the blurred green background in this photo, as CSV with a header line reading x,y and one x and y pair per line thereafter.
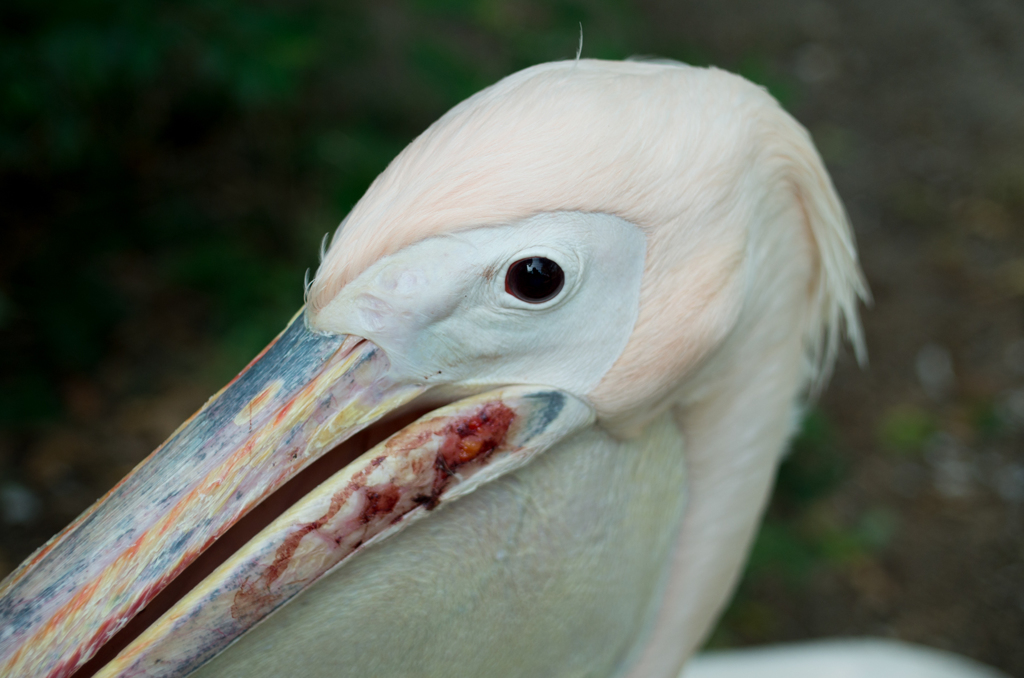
x,y
168,170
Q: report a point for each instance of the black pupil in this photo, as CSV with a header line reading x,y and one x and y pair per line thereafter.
x,y
534,280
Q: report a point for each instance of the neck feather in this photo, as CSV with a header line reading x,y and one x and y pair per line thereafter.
x,y
736,417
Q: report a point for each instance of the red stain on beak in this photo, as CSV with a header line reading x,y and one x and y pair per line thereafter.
x,y
469,439
380,500
477,436
465,443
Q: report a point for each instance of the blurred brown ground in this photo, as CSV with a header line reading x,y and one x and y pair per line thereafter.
x,y
918,109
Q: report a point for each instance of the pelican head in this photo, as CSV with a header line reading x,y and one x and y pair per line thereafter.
x,y
525,424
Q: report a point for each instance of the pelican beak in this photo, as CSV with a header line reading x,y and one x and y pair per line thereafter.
x,y
295,434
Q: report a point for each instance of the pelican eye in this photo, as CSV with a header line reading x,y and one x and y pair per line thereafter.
x,y
534,280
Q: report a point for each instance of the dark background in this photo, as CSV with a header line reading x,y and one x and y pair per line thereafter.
x,y
167,170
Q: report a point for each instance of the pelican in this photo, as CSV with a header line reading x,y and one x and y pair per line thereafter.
x,y
525,424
